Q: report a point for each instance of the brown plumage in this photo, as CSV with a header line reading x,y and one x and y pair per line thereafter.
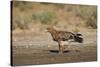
x,y
59,36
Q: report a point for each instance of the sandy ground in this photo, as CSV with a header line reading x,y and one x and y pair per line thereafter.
x,y
39,48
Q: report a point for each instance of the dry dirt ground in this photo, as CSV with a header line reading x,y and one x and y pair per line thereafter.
x,y
39,48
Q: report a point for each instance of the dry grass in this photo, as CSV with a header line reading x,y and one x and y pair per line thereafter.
x,y
27,14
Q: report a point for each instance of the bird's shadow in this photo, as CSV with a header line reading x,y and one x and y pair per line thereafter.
x,y
57,51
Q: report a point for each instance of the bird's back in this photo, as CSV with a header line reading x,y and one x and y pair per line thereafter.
x,y
60,35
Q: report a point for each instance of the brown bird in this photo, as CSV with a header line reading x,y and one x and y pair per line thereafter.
x,y
60,36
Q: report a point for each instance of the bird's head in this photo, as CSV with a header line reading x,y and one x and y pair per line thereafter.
x,y
49,29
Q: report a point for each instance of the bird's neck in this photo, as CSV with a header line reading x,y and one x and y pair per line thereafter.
x,y
53,32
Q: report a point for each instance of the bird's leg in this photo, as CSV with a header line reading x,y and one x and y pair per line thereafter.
x,y
68,43
59,45
60,48
63,48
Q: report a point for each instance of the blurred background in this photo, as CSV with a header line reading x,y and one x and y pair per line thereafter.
x,y
37,16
